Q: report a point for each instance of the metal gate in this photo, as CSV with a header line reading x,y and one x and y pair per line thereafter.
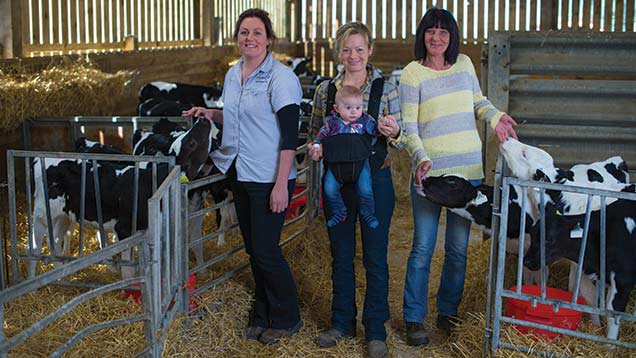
x,y
161,249
309,194
497,290
33,253
160,279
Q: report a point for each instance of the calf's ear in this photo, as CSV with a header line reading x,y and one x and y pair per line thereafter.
x,y
539,175
136,137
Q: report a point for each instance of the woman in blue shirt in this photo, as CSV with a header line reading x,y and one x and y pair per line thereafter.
x,y
260,115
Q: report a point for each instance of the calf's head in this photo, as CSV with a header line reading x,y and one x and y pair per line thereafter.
x,y
448,190
526,161
192,147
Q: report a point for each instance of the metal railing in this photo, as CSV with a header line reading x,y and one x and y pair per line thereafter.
x,y
41,201
496,289
310,192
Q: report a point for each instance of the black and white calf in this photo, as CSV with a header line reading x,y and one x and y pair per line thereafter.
x,y
194,95
159,141
620,266
157,107
301,66
116,184
531,163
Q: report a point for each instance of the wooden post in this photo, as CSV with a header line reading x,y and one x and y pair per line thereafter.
x,y
12,28
288,18
498,90
131,43
207,31
548,15
298,23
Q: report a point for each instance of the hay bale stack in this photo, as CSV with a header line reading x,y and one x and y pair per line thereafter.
x,y
67,89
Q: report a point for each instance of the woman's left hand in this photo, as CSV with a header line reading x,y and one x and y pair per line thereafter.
x,y
504,128
388,126
279,198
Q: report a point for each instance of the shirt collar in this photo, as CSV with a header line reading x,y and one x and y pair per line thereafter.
x,y
265,67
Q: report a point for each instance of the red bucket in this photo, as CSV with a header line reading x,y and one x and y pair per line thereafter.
x,y
136,294
294,207
542,313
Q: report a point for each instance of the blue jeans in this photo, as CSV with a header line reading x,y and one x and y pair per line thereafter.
x,y
374,259
364,189
426,219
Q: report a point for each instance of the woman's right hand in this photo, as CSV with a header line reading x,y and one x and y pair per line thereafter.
x,y
422,171
199,112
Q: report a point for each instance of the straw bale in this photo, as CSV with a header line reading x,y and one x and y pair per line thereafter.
x,y
68,88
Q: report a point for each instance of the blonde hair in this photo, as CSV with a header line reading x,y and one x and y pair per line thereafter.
x,y
348,92
348,29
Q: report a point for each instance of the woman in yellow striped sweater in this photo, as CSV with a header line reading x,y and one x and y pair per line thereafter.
x,y
440,99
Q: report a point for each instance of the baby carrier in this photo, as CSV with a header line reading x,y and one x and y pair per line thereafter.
x,y
344,154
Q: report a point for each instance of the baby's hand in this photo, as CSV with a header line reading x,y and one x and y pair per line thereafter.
x,y
315,151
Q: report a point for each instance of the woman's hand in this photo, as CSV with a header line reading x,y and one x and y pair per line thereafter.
x,y
422,171
279,198
315,151
199,112
387,125
504,128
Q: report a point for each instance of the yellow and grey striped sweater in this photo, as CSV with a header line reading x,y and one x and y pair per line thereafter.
x,y
438,114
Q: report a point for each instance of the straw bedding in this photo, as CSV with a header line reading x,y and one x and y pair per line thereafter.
x,y
217,333
69,88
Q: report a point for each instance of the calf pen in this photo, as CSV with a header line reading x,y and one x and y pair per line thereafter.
x,y
162,254
160,278
495,318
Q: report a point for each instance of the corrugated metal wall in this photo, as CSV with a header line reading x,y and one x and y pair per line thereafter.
x,y
575,91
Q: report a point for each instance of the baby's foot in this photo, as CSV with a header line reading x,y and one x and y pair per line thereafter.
x,y
371,221
337,218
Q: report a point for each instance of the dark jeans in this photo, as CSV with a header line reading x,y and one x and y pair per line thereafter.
x,y
331,188
275,299
374,258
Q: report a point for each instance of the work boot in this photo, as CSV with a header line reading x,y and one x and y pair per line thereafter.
x,y
330,338
377,349
273,335
253,332
447,323
415,334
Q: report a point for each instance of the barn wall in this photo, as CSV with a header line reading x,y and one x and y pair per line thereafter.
x,y
574,91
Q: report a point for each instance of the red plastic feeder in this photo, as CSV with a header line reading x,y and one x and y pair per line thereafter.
x,y
136,294
294,207
542,313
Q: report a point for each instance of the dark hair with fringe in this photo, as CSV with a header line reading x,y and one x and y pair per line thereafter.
x,y
442,19
259,14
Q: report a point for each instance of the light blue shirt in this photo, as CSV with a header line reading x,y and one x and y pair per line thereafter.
x,y
251,133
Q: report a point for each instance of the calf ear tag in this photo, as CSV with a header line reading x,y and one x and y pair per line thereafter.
x,y
183,179
480,198
577,232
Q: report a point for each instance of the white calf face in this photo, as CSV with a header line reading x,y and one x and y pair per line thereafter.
x,y
524,160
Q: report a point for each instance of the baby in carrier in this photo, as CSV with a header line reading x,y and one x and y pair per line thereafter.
x,y
346,139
